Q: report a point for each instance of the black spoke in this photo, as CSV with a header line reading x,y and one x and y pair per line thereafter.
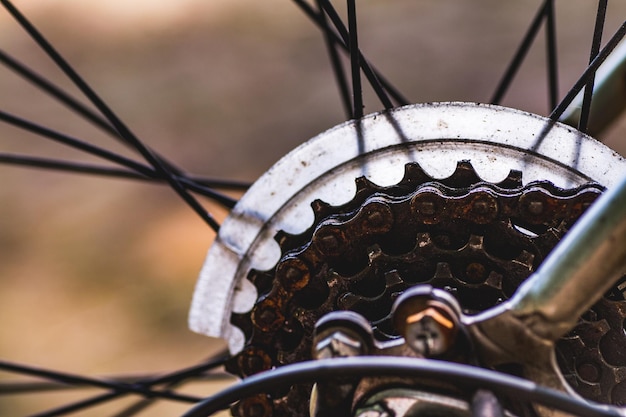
x,y
57,93
79,405
219,183
589,72
520,54
20,387
585,110
199,185
69,101
110,156
121,128
119,386
74,143
68,378
335,60
84,168
173,379
356,59
355,67
551,52
195,372
382,87
30,387
136,408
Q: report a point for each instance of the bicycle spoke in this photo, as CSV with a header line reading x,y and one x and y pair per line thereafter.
x,y
585,110
340,76
223,199
24,387
520,54
74,143
83,168
553,73
135,408
144,403
379,83
45,163
69,101
355,67
589,72
71,73
56,92
67,378
193,372
219,183
79,405
211,363
119,386
357,60
121,128
174,379
110,156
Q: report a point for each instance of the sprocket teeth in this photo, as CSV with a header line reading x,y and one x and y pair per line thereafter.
x,y
443,271
262,281
243,322
286,241
414,175
476,243
393,279
461,233
512,181
348,301
525,259
464,176
321,210
494,280
365,186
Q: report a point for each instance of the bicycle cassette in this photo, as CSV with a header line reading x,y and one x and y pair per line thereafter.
x,y
465,197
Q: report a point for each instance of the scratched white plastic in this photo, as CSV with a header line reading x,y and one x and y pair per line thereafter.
x,y
494,139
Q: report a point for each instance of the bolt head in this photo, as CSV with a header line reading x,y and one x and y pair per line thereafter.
x,y
293,274
430,332
338,344
267,315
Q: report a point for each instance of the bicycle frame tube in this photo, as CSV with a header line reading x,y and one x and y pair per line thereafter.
x,y
584,265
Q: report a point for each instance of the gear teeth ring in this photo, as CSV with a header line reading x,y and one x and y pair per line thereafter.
x,y
475,239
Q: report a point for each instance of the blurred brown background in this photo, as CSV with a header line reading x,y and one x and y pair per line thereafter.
x,y
97,273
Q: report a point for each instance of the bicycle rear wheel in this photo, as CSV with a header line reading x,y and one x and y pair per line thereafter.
x,y
262,42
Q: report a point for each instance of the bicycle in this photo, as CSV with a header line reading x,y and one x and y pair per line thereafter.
x,y
396,181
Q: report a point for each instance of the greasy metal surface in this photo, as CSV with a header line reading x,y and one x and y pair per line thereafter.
x,y
586,264
576,275
495,139
476,239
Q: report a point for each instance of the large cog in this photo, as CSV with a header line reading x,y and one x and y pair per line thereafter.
x,y
495,140
475,239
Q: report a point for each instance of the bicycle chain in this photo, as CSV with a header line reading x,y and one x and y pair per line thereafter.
x,y
476,239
